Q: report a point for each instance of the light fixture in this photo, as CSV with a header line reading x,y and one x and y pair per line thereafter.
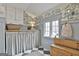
x,y
33,23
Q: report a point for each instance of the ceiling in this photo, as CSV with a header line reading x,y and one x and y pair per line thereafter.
x,y
34,9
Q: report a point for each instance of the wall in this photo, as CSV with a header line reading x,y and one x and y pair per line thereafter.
x,y
75,27
47,41
2,35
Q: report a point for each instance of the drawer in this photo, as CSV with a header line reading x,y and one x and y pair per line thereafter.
x,y
59,52
67,43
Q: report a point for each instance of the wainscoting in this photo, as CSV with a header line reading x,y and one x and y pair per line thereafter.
x,y
18,42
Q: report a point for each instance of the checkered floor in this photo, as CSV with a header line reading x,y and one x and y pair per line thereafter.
x,y
36,52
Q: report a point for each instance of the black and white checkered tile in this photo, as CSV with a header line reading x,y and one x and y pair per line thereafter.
x,y
36,52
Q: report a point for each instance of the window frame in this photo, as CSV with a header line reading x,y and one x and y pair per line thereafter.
x,y
55,26
51,29
46,30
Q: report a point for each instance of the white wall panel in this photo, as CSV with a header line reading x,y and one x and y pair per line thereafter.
x,y
2,35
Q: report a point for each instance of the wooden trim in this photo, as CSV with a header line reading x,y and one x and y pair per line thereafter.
x,y
12,30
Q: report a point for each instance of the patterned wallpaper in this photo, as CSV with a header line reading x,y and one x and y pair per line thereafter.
x,y
69,13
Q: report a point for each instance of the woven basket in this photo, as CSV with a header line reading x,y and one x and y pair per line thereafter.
x,y
13,27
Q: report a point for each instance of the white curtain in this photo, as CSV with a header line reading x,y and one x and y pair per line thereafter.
x,y
18,42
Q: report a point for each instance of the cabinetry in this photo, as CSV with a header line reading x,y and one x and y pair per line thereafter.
x,y
67,43
19,15
10,15
14,15
64,47
56,51
2,11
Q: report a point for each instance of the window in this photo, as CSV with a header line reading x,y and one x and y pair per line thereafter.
x,y
55,28
47,29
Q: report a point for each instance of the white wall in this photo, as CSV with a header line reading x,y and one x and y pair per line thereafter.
x,y
2,35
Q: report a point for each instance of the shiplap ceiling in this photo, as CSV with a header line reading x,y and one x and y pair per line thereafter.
x,y
35,9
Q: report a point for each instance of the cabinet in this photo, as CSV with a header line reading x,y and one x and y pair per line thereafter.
x,y
64,47
19,15
59,52
14,15
63,51
2,11
67,43
10,13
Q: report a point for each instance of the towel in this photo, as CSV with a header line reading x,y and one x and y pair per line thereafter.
x,y
66,30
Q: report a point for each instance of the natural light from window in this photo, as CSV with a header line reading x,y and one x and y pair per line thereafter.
x,y
47,29
55,28
54,31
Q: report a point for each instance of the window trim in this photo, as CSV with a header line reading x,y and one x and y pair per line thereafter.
x,y
45,30
50,29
